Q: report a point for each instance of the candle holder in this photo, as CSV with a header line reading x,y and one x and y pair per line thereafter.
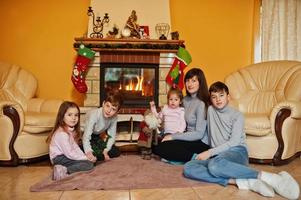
x,y
162,30
97,24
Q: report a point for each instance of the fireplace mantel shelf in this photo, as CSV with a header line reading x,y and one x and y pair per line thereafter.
x,y
137,45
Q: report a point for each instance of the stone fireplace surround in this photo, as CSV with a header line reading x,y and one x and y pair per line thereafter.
x,y
161,52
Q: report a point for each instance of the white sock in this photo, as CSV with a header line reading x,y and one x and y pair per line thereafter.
x,y
242,184
255,185
283,183
270,178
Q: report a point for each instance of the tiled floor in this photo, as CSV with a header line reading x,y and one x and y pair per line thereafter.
x,y
15,183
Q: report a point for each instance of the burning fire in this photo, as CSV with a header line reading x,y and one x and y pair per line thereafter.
x,y
134,86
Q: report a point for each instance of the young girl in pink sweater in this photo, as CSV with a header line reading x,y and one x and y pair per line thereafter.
x,y
172,115
64,151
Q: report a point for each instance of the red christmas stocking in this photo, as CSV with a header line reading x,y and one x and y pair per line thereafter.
x,y
85,55
175,76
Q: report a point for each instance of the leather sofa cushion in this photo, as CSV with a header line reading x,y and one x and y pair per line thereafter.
x,y
36,122
257,124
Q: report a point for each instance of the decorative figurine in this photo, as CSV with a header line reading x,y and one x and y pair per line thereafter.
x,y
113,33
132,25
148,134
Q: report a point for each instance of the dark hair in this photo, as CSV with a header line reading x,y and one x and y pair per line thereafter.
x,y
59,122
176,91
115,98
202,93
218,87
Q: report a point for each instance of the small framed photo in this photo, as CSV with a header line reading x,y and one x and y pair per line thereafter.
x,y
144,32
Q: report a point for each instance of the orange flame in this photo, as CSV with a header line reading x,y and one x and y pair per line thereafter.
x,y
135,87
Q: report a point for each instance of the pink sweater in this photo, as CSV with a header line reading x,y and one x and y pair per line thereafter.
x,y
174,120
63,143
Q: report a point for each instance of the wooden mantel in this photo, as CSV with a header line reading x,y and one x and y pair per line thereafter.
x,y
140,45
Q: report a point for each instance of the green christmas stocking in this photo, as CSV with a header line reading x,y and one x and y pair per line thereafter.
x,y
175,76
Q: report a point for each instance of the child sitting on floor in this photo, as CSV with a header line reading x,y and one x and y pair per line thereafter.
x,y
64,152
100,129
172,115
226,162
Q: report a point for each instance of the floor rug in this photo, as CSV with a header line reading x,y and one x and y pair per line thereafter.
x,y
124,172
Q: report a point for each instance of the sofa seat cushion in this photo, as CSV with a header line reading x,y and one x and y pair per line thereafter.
x,y
36,122
257,124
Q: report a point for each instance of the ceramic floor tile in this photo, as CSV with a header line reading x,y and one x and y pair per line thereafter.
x,y
15,183
230,192
18,187
166,194
8,174
91,195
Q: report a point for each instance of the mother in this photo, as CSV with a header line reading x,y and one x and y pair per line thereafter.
x,y
181,147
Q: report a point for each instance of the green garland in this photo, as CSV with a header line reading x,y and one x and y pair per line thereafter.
x,y
130,46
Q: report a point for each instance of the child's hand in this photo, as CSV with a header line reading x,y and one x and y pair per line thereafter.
x,y
203,156
152,104
106,155
90,156
167,138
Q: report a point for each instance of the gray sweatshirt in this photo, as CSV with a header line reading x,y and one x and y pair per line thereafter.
x,y
96,123
225,129
195,119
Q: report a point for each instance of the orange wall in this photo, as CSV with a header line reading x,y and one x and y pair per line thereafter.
x,y
217,33
39,35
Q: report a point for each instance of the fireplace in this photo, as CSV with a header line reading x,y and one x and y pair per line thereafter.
x,y
121,64
137,82
138,57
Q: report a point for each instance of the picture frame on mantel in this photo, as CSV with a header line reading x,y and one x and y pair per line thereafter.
x,y
144,32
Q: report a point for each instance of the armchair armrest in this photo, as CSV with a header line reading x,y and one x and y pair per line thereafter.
x,y
43,105
287,110
11,124
294,107
7,107
291,108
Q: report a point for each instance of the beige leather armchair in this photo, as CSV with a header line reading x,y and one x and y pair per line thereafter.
x,y
25,121
269,95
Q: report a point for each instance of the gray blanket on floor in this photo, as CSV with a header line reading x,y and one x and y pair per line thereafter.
x,y
124,172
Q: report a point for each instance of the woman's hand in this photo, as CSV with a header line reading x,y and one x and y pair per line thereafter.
x,y
106,155
167,138
90,156
203,156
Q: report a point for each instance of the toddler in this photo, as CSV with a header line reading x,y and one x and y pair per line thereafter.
x,y
172,115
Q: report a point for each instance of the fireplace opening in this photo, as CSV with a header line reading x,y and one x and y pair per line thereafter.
x,y
138,83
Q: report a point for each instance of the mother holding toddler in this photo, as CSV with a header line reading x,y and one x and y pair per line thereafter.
x,y
181,147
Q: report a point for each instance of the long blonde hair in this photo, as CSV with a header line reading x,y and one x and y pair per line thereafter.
x,y
59,122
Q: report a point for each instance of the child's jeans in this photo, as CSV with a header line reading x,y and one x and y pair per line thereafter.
x,y
230,164
73,165
98,145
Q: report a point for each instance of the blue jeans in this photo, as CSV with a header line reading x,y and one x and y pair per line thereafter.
x,y
230,164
